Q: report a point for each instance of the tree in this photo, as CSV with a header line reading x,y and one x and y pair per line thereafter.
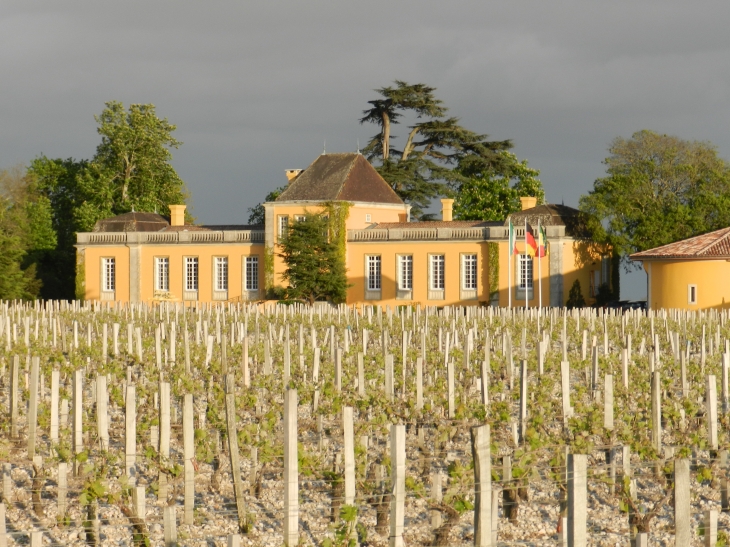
x,y
495,194
315,269
424,167
257,215
27,238
658,189
575,296
130,171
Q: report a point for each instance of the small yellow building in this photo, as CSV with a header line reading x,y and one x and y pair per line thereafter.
x,y
389,259
692,274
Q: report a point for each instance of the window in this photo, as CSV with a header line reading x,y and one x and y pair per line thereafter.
x,y
283,225
405,272
108,274
438,266
191,273
221,273
595,282
299,218
368,218
373,272
162,273
524,272
692,294
469,272
251,271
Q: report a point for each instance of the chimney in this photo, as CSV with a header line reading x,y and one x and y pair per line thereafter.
x,y
528,202
177,215
447,207
291,174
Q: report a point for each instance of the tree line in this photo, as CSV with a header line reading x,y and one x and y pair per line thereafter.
x,y
46,203
657,189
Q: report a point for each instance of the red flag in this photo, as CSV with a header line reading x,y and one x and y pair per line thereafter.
x,y
530,241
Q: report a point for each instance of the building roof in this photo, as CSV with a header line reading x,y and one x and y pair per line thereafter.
x,y
340,177
132,222
552,214
425,225
707,246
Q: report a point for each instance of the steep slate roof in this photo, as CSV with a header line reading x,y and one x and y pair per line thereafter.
x,y
132,222
340,177
552,214
713,245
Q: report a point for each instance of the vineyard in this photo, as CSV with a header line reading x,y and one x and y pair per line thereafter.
x,y
233,424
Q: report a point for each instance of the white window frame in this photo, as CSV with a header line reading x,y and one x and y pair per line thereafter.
x,y
108,275
282,225
469,272
520,279
437,272
299,218
368,218
374,269
405,272
192,266
692,294
162,273
220,273
251,273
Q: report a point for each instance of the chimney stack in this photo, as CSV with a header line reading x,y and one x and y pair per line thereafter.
x,y
291,174
447,208
528,202
177,215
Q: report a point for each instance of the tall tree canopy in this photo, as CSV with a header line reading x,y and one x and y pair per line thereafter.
x,y
131,170
492,194
424,167
658,189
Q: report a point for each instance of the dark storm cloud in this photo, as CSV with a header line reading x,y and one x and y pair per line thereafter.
x,y
255,88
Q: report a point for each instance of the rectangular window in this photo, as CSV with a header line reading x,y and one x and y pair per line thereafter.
x,y
524,270
283,225
162,273
373,265
692,294
191,273
469,272
438,270
221,273
108,274
299,218
405,272
252,273
367,218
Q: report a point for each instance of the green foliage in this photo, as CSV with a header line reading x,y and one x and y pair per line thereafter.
x,y
435,144
315,268
658,189
257,214
493,256
347,531
575,296
494,193
131,170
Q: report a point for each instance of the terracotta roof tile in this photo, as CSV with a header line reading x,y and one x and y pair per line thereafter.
x,y
711,245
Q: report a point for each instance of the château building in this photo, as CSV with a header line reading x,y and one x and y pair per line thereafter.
x,y
390,259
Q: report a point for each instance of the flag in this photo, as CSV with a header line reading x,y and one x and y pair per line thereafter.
x,y
530,243
512,240
542,246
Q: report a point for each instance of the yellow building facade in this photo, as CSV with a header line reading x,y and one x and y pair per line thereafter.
x,y
389,259
691,274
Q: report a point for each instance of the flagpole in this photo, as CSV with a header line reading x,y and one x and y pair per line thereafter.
x,y
509,263
527,304
539,266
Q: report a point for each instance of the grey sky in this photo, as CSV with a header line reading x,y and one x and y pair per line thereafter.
x,y
255,88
